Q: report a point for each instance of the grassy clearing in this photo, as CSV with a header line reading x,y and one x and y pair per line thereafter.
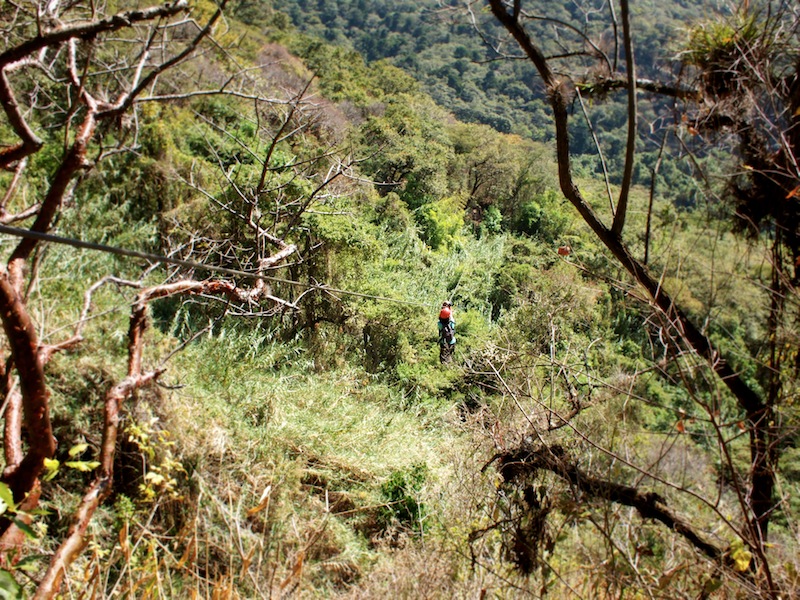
x,y
351,466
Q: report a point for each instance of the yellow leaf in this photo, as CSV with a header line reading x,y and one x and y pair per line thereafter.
x,y
50,468
77,450
741,559
154,478
82,465
263,503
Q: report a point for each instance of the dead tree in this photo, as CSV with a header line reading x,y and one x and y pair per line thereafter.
x,y
744,88
63,45
93,72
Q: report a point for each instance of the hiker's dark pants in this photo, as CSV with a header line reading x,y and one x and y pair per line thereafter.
x,y
446,352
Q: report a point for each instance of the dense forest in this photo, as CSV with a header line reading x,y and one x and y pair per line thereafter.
x,y
437,43
228,228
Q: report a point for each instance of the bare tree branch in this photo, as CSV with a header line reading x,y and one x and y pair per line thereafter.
x,y
603,84
88,30
524,461
126,100
630,144
758,412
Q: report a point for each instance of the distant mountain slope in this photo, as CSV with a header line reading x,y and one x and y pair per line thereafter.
x,y
439,46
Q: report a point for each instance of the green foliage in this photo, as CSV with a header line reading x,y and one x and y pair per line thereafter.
x,y
717,45
393,214
283,432
440,222
386,341
14,513
344,76
401,493
493,220
411,149
545,218
510,282
9,588
259,15
441,51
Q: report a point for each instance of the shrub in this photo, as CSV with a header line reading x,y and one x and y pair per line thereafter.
x,y
440,222
400,492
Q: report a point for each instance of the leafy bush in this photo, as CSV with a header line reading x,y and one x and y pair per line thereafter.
x,y
493,220
717,48
544,217
401,494
440,222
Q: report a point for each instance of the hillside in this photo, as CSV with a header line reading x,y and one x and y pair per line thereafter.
x,y
236,391
437,43
440,46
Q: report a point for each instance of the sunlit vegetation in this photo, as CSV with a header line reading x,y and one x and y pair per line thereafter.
x,y
363,162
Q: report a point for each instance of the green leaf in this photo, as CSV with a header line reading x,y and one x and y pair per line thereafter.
x,y
82,465
30,563
78,449
9,588
711,585
7,497
25,528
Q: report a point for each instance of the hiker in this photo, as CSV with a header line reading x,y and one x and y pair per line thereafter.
x,y
447,333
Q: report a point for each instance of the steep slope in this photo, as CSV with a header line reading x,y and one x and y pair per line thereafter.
x,y
438,44
311,443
